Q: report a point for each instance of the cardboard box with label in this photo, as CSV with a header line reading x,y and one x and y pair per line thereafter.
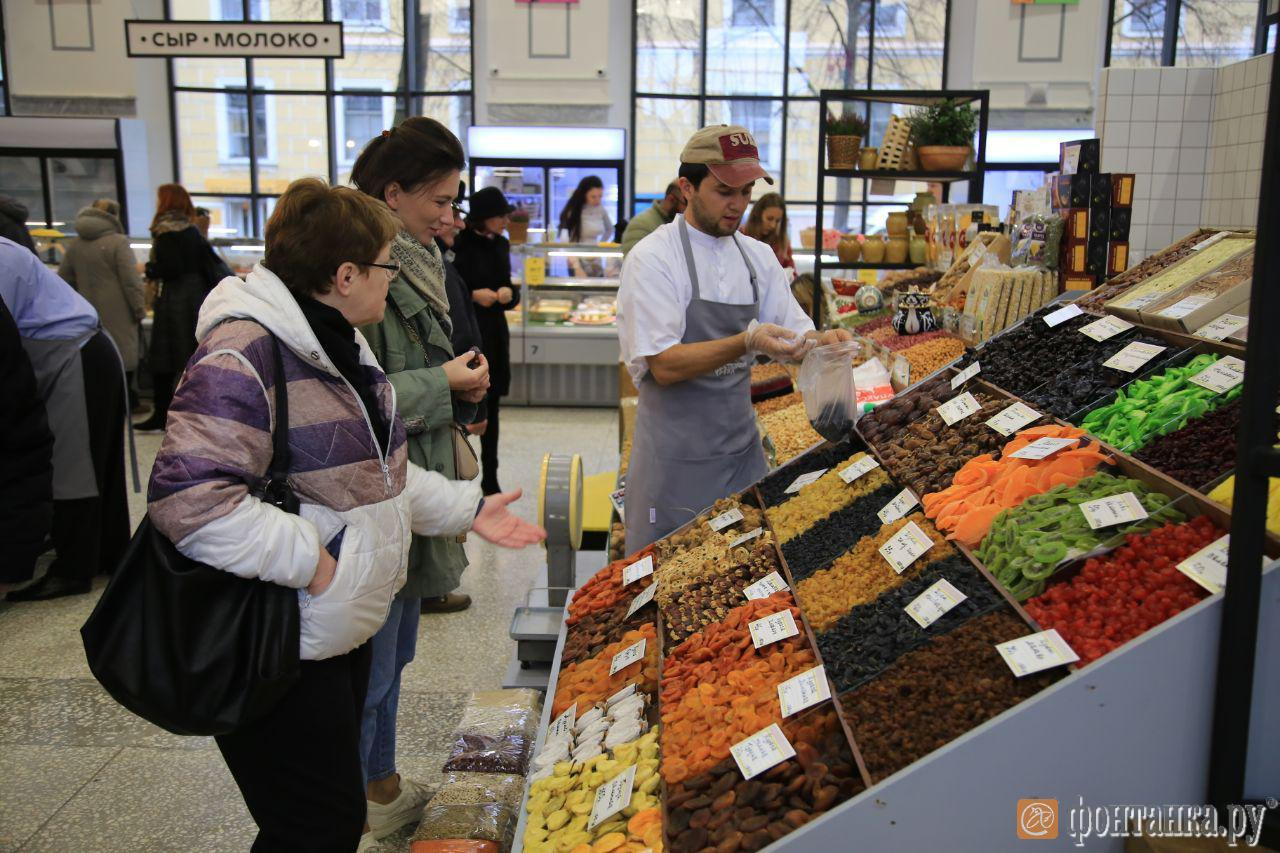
x,y
1208,297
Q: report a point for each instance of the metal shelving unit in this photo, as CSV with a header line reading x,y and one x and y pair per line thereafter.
x,y
914,98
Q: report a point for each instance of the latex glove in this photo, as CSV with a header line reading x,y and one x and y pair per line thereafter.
x,y
774,341
499,525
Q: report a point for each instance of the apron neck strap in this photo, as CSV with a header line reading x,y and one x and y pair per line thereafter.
x,y
693,269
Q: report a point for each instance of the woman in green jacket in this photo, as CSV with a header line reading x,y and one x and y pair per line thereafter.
x,y
415,169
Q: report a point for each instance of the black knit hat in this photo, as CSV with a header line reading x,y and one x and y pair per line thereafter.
x,y
488,203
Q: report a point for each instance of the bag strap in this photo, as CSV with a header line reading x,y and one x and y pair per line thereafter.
x,y
278,470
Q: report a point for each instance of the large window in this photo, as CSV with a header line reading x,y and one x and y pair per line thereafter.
x,y
761,64
244,129
1148,33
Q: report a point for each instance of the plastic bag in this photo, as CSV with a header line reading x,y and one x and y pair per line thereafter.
x,y
508,753
454,845
1039,237
830,393
872,383
492,822
470,789
495,713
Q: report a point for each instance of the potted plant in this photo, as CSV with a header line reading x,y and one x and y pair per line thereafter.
x,y
844,137
518,226
943,135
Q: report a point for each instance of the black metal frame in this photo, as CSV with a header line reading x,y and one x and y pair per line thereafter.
x,y
1169,40
404,95
785,98
4,72
973,177
44,155
1257,460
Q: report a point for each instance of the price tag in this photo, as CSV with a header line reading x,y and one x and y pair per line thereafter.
x,y
764,749
1222,328
1133,356
932,604
965,375
897,507
1107,327
618,499
629,690
1206,243
637,570
1221,376
1116,509
905,547
804,691
1035,652
857,469
772,628
1062,315
958,408
746,537
901,372
1208,566
803,480
1013,419
765,587
646,595
724,519
535,270
631,654
1137,303
1183,307
612,797
562,727
1042,448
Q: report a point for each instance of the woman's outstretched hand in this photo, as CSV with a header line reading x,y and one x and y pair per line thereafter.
x,y
499,525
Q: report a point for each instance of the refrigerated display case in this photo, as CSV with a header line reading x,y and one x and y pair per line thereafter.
x,y
564,334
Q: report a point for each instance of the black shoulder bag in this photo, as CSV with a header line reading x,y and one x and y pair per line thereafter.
x,y
194,649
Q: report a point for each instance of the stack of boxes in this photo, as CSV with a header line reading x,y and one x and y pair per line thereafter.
x,y
1096,209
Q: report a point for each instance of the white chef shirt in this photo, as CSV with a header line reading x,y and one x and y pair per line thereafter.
x,y
656,289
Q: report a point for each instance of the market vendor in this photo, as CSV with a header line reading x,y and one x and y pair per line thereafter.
x,y
696,306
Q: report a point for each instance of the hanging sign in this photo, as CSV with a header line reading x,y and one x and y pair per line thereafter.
x,y
250,39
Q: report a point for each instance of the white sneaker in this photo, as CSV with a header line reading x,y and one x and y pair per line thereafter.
x,y
400,812
367,843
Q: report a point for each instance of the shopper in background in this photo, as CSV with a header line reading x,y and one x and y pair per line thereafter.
x,y
325,270
462,310
203,220
26,460
483,256
13,222
659,213
81,381
181,267
415,168
767,223
100,264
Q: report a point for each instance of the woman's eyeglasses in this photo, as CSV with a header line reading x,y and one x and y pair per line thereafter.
x,y
392,268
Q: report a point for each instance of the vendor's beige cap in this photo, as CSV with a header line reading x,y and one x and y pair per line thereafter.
x,y
729,151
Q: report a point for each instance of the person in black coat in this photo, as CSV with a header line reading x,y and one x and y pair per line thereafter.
x,y
483,256
26,460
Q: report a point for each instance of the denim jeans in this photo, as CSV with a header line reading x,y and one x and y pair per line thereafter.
x,y
393,647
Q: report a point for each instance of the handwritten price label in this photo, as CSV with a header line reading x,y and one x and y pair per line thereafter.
x,y
1042,448
765,587
1133,357
804,691
1208,566
932,604
637,570
863,466
965,375
746,537
1062,315
898,507
905,547
613,796
1222,328
725,519
764,749
1013,418
1036,652
625,658
1221,376
772,628
1106,328
959,408
1116,509
646,595
803,480
562,728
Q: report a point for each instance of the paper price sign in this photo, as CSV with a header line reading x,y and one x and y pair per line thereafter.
x,y
1013,419
1183,307
905,547
803,480
1062,315
1107,327
958,408
772,628
1208,566
645,596
1133,356
804,691
724,519
637,570
965,375
1035,652
857,469
898,507
1140,302
612,797
1042,448
562,727
1221,376
764,749
618,499
765,587
746,537
932,604
1222,328
1116,509
631,654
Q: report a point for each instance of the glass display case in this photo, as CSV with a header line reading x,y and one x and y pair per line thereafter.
x,y
564,334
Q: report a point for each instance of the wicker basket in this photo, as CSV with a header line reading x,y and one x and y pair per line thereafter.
x,y
894,148
842,151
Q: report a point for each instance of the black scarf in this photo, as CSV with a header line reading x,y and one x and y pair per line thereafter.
x,y
338,338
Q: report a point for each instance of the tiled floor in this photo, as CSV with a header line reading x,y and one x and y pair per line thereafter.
x,y
79,772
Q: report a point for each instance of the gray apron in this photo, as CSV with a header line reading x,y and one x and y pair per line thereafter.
x,y
695,441
60,381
